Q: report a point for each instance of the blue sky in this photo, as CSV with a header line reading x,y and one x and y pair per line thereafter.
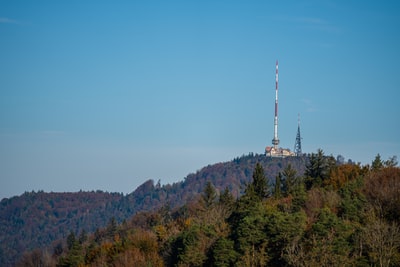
x,y
105,94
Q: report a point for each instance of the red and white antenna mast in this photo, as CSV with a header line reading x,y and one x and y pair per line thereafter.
x,y
275,141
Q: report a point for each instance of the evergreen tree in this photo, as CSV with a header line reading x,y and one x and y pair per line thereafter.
x,y
282,228
352,206
185,249
74,256
391,162
318,169
226,201
329,238
209,196
377,163
111,229
289,182
165,213
224,254
82,236
299,197
249,235
259,186
248,220
278,185
71,239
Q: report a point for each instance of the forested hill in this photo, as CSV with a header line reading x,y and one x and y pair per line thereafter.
x,y
333,215
233,175
36,219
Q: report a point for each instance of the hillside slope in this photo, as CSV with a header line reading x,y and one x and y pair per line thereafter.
x,y
336,215
232,175
36,219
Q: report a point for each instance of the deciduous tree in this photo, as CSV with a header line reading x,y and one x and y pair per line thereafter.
x,y
382,241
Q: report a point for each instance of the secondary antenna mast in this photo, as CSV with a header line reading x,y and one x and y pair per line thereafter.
x,y
297,144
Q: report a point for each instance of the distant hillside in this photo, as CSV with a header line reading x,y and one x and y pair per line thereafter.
x,y
232,175
36,219
334,215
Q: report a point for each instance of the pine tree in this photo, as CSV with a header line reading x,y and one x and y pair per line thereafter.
x,y
391,162
290,182
278,185
74,256
318,169
259,184
377,163
226,200
111,228
71,239
209,195
223,253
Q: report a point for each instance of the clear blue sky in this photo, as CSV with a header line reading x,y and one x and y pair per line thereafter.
x,y
107,94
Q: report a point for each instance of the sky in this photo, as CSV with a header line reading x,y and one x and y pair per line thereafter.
x,y
104,95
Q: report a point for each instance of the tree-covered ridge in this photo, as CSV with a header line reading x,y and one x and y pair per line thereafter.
x,y
333,215
36,219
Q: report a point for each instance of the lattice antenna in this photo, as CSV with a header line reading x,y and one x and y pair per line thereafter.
x,y
297,144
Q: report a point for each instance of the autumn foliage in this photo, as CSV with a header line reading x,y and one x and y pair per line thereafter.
x,y
334,215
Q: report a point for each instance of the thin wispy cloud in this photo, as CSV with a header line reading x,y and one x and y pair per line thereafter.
x,y
309,106
300,19
5,20
309,22
324,33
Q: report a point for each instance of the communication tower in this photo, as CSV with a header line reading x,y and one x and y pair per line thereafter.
x,y
275,150
275,141
297,144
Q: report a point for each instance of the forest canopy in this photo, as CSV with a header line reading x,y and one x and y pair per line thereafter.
x,y
332,215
